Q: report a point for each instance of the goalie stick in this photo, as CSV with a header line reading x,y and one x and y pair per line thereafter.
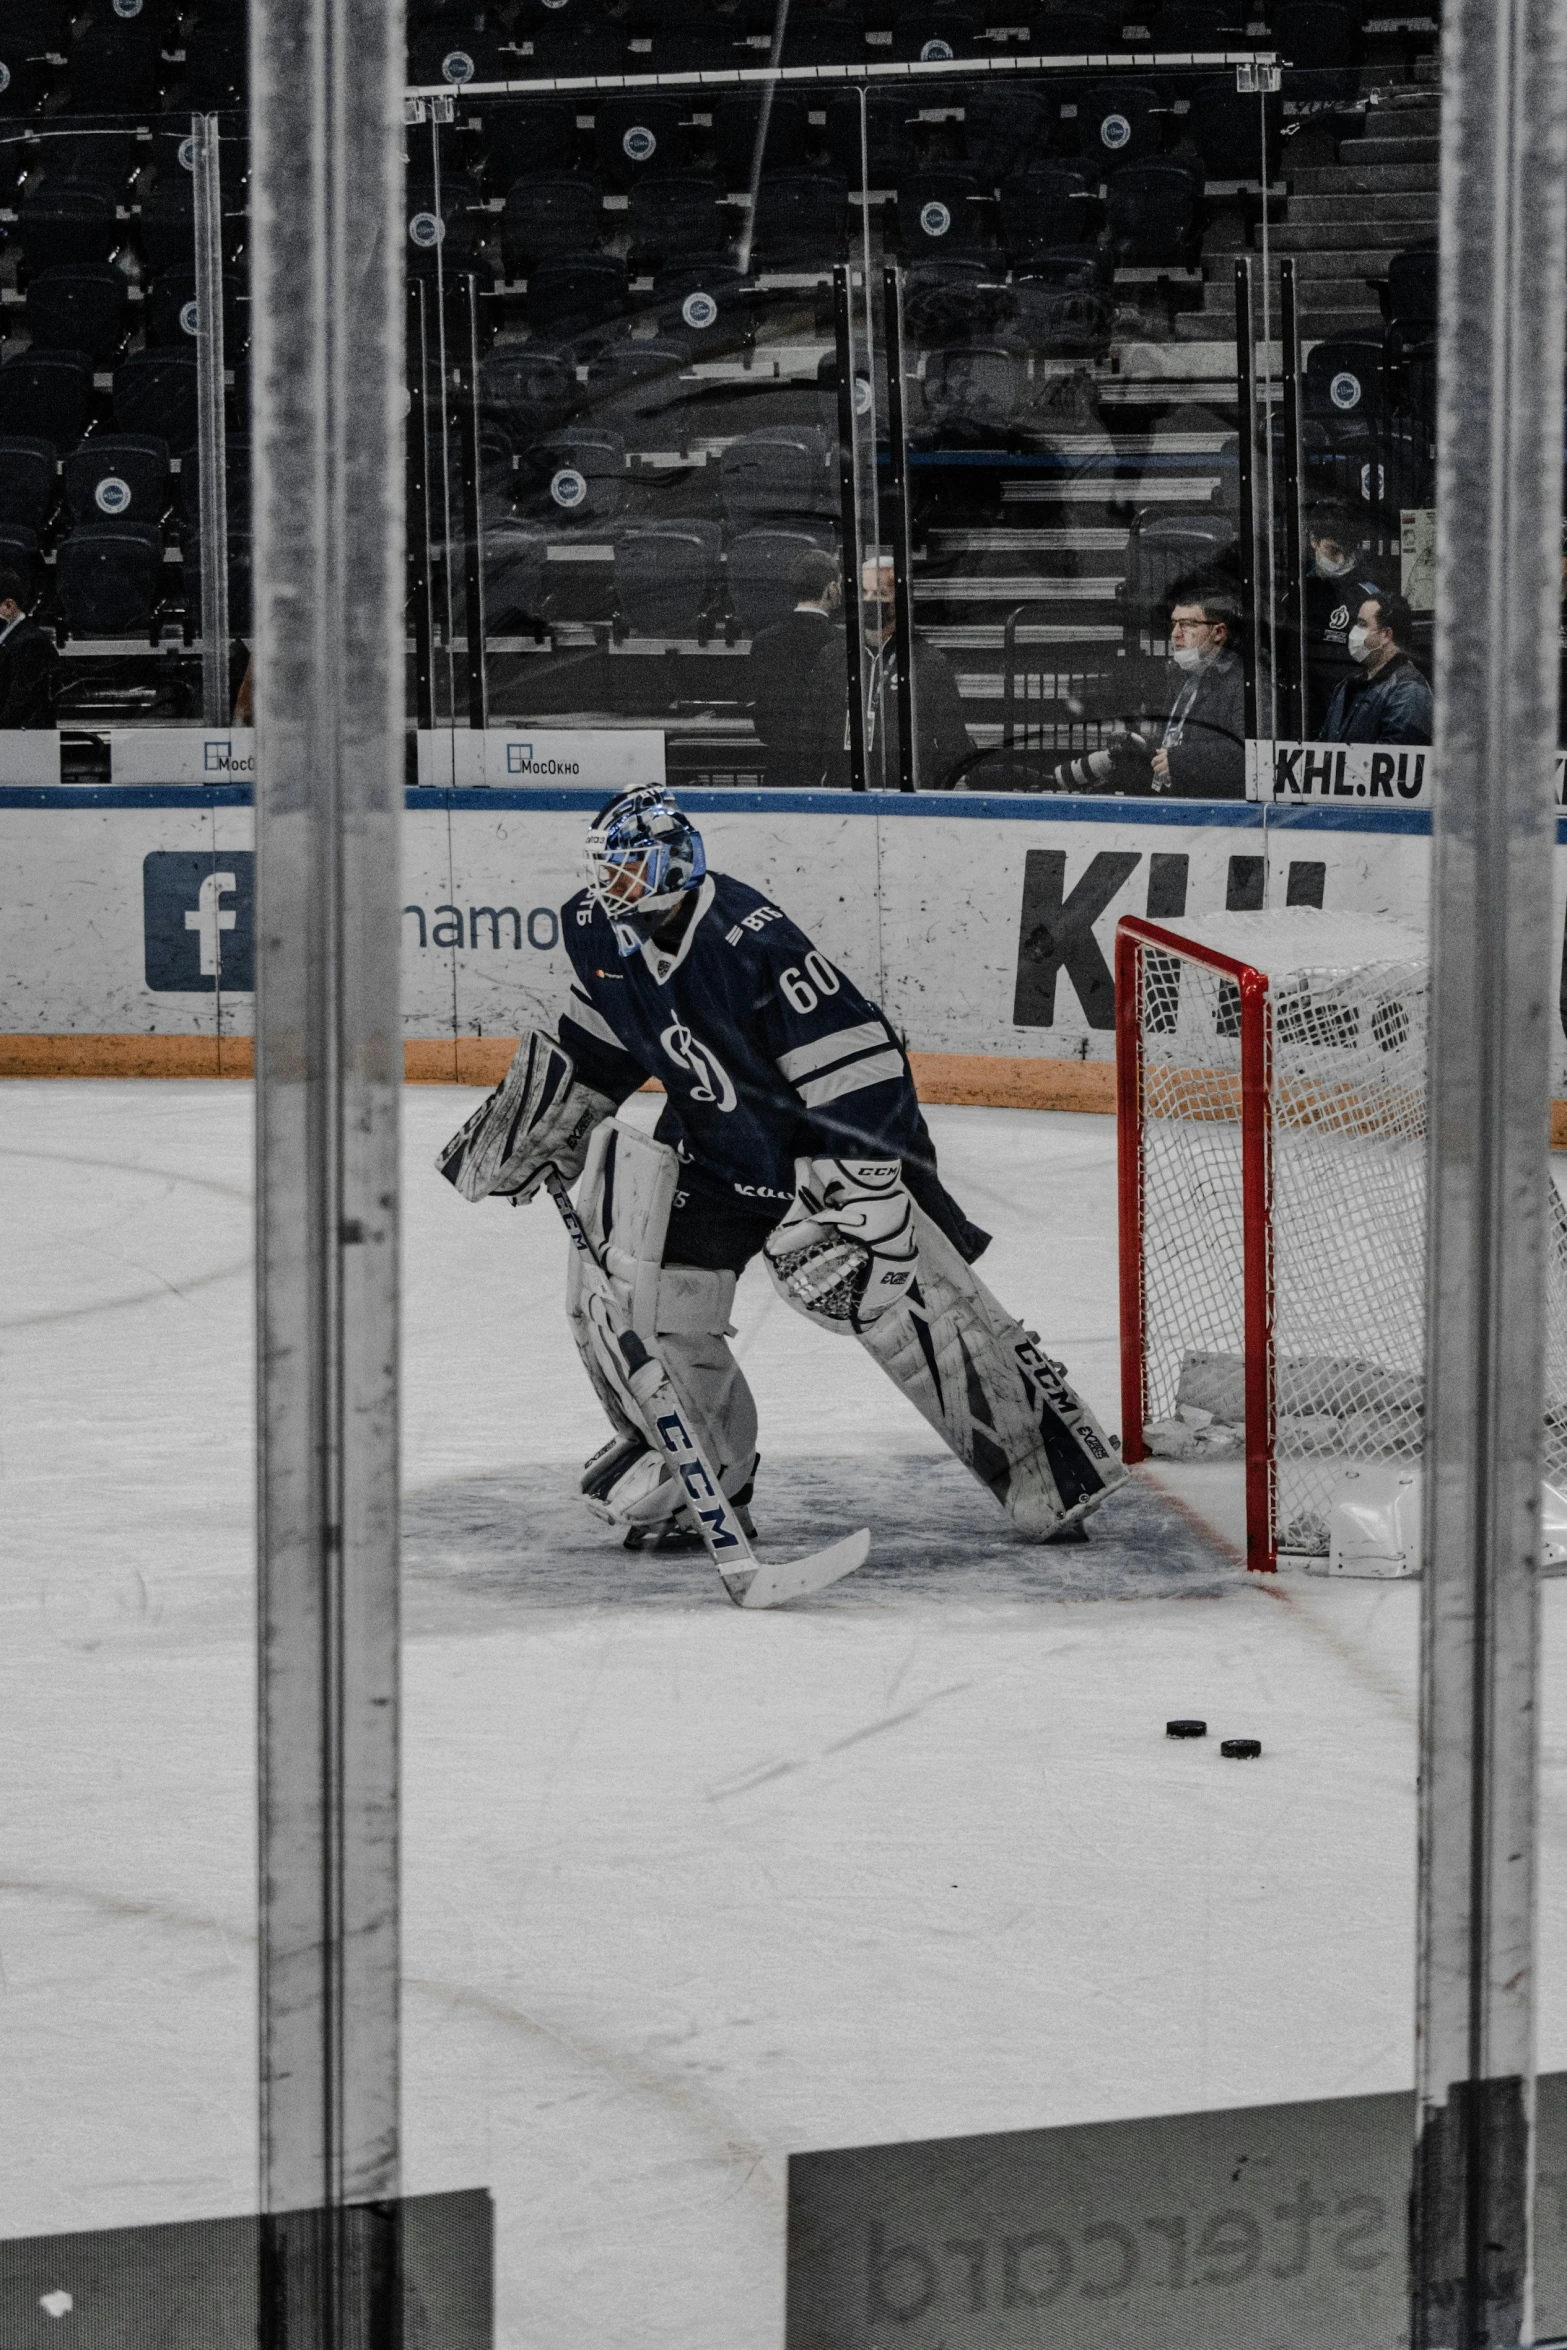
x,y
750,1581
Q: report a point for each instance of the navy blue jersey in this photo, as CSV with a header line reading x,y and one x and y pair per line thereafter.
x,y
766,1052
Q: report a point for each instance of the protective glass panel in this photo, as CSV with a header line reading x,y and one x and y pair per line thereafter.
x,y
747,1883
129,2032
645,384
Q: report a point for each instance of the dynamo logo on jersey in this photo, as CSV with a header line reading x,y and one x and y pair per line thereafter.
x,y
713,1081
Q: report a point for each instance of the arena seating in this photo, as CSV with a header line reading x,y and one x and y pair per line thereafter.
x,y
644,332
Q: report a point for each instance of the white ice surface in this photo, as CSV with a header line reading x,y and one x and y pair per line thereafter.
x,y
685,1888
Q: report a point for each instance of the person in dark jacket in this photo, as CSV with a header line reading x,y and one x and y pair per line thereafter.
x,y
1390,701
27,661
783,660
1203,752
1337,582
938,708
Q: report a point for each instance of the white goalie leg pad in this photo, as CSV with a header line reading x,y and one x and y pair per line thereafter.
x,y
627,1190
679,1312
988,1389
692,1342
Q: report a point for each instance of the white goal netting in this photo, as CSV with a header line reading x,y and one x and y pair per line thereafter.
x,y
1335,1157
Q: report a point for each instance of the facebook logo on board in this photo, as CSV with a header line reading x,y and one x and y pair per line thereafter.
x,y
199,915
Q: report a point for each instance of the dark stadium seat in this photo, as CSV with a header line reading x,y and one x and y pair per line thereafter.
x,y
891,116
28,476
451,56
1412,284
116,68
940,212
41,25
1075,32
974,388
104,150
1164,548
637,134
680,219
737,120
110,578
571,45
1005,129
21,77
444,235
1410,370
801,221
118,477
527,134
1344,379
69,224
635,390
1313,34
19,553
698,45
166,223
667,576
155,392
170,311
575,293
215,68
1151,212
1049,205
526,390
549,214
47,396
830,37
707,308
758,566
953,301
1345,410
85,309
574,480
1200,24
1225,126
1119,122
935,35
1063,302
784,469
516,560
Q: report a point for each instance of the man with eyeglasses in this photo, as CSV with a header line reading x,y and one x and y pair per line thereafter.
x,y
1203,752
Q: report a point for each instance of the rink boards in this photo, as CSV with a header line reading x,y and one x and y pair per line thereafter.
x,y
984,924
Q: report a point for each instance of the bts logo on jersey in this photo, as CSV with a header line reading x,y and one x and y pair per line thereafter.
x,y
713,1081
199,920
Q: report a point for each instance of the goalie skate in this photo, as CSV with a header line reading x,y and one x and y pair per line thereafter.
x,y
992,1394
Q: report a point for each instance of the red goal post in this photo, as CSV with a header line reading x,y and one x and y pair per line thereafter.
x,y
1271,1097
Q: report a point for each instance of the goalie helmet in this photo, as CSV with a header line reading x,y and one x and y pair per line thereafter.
x,y
643,854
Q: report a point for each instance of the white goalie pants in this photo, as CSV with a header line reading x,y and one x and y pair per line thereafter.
x,y
680,1312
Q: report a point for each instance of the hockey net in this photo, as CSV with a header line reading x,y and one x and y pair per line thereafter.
x,y
1272,1081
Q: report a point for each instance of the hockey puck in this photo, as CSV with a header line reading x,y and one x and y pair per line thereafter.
x,y
1186,1729
1241,1749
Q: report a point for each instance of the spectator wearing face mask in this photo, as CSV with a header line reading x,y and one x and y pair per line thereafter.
x,y
1337,583
1389,699
1203,752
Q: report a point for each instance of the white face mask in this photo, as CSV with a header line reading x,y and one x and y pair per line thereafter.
x,y
1339,570
1190,658
1358,648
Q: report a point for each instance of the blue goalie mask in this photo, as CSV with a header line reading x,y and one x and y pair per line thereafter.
x,y
643,854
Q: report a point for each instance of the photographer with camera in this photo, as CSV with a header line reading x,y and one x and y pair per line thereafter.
x,y
1199,752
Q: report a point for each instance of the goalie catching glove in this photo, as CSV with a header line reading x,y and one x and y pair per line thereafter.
x,y
538,1117
846,1250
